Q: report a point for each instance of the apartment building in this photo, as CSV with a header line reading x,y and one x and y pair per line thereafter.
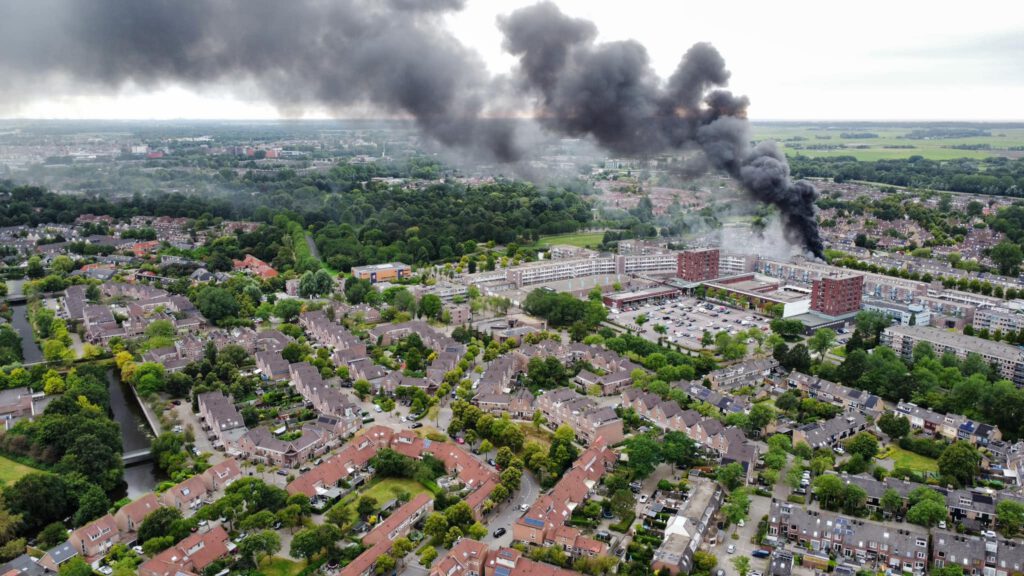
x,y
698,265
1001,319
837,294
1008,358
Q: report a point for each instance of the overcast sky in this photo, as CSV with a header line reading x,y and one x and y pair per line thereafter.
x,y
868,60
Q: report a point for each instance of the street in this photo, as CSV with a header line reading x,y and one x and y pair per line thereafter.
x,y
509,512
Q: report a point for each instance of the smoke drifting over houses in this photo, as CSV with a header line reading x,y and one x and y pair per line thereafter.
x,y
397,57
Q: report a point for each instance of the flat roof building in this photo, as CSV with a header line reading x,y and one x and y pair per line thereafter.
x,y
1007,358
837,294
382,272
697,265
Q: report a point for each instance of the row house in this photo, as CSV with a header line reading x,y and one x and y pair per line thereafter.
x,y
726,403
466,558
352,459
272,366
901,548
551,511
498,376
830,433
329,333
380,539
221,417
262,445
365,369
519,405
977,555
94,540
609,384
949,426
574,543
750,373
190,556
325,399
129,517
833,393
21,403
690,528
589,420
100,324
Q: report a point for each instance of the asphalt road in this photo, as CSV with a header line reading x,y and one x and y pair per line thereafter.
x,y
510,511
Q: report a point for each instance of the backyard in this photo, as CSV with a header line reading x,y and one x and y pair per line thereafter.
x,y
280,567
383,490
905,459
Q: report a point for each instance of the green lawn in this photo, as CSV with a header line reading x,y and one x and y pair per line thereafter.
x,y
582,239
904,459
383,490
839,351
11,471
275,566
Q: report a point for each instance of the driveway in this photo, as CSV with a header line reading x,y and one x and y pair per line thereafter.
x,y
188,420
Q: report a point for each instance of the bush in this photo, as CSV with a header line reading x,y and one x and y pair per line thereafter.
x,y
622,526
923,446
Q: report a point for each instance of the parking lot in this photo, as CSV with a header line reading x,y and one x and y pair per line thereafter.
x,y
687,318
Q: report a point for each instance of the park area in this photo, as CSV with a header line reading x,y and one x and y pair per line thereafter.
x,y
11,471
905,459
277,566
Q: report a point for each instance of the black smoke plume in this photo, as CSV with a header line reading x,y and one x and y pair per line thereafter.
x,y
396,57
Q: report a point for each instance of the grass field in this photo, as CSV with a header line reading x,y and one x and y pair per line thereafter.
x,y
542,437
883,147
11,471
582,239
903,459
382,491
275,566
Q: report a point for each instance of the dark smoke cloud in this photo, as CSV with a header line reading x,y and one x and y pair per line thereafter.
x,y
396,56
609,91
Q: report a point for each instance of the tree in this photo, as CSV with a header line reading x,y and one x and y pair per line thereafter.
x,y
35,267
736,508
731,475
960,462
53,534
1010,517
158,523
927,513
1007,255
427,556
263,543
340,515
75,566
430,306
895,427
891,502
761,415
39,498
704,562
829,490
949,569
309,542
92,503
384,564
503,457
622,503
287,309
854,500
742,565
821,341
216,303
644,455
436,526
863,443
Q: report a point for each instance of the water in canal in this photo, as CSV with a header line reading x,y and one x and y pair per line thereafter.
x,y
135,435
30,351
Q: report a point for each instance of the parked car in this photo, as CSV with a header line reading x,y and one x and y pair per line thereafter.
x,y
499,532
731,549
643,498
282,472
759,553
416,425
106,570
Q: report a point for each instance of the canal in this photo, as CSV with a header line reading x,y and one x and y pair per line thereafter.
x,y
30,352
135,435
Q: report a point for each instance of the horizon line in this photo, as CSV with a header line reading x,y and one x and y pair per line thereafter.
x,y
412,120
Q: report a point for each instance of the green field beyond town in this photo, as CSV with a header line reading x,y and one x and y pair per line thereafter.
x,y
868,142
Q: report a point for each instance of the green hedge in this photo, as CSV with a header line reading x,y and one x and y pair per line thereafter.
x,y
623,525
